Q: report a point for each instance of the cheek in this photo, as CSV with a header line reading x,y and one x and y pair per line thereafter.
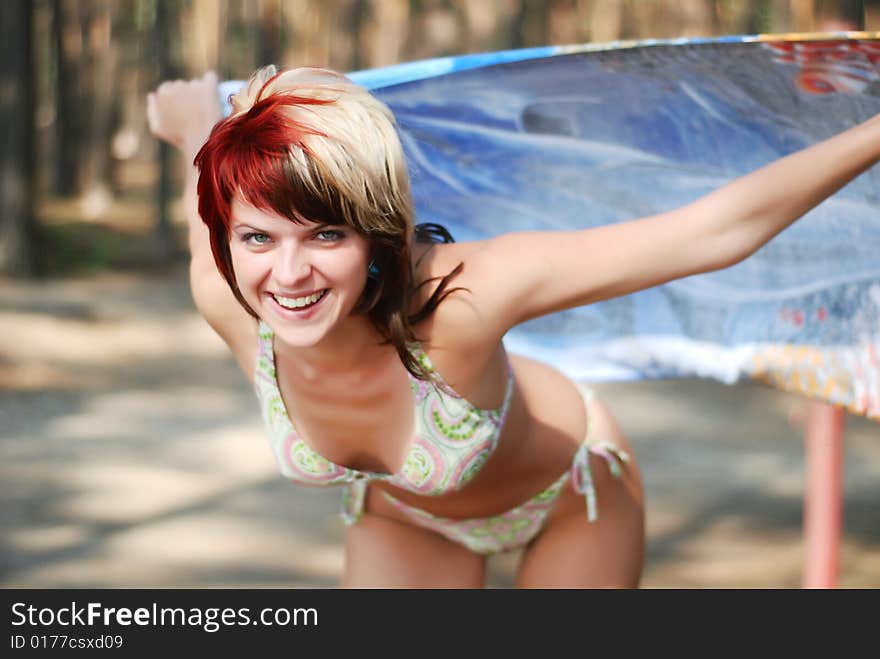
x,y
348,273
245,266
348,265
239,265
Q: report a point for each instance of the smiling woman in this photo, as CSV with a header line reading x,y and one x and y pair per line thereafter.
x,y
309,148
375,345
297,271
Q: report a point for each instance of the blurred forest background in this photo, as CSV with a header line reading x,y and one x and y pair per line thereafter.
x,y
84,186
127,433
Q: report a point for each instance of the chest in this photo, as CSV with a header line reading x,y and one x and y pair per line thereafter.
x,y
364,421
408,432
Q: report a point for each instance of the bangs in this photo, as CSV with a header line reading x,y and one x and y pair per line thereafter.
x,y
311,145
263,155
273,184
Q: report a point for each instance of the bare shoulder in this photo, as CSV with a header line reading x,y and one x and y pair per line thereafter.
x,y
471,359
469,316
457,316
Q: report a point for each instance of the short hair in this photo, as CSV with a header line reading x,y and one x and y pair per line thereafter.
x,y
310,144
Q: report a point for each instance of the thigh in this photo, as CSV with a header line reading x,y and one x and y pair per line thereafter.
x,y
572,552
387,553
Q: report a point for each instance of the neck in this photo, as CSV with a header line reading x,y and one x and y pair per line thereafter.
x,y
355,346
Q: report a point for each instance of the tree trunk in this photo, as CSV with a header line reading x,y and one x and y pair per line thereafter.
x,y
606,21
269,48
206,30
67,34
166,19
101,66
530,23
357,14
17,255
841,15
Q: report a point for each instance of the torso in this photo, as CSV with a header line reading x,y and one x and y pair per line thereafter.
x,y
365,420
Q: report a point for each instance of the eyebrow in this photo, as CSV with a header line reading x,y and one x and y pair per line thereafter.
x,y
235,224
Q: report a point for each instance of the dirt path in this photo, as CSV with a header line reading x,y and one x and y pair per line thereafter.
x,y
132,454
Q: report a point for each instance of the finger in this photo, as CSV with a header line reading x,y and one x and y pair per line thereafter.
x,y
151,111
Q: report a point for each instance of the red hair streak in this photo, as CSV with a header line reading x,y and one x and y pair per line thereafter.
x,y
247,154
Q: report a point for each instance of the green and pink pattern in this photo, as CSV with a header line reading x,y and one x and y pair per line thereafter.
x,y
452,439
516,527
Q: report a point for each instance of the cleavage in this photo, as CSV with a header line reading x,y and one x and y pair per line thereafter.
x,y
348,424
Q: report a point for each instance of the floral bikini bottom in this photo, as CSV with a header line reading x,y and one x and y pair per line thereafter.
x,y
516,527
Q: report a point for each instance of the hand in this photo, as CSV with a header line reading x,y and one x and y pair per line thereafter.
x,y
183,112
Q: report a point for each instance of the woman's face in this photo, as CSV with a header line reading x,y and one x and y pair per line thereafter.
x,y
303,280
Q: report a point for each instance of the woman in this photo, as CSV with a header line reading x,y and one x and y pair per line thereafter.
x,y
375,346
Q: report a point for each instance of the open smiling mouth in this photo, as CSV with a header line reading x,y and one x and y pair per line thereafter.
x,y
300,303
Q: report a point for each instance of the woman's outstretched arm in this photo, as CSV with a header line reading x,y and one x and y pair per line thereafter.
x,y
519,276
183,112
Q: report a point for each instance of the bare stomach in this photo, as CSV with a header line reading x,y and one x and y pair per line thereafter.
x,y
545,425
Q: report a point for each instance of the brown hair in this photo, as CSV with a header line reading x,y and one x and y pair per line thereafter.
x,y
309,144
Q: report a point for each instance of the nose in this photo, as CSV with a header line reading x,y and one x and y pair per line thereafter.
x,y
291,266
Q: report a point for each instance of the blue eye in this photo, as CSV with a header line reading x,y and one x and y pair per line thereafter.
x,y
255,238
330,235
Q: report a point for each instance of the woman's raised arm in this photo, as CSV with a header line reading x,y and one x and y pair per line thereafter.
x,y
519,276
183,112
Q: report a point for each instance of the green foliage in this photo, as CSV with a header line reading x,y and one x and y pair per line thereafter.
x,y
76,247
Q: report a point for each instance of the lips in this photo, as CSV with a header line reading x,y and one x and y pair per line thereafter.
x,y
300,301
298,313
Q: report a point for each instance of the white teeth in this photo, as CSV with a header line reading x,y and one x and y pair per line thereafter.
x,y
299,302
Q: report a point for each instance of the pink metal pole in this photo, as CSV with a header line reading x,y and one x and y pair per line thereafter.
x,y
823,499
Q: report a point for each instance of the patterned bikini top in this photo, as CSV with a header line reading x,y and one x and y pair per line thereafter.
x,y
452,440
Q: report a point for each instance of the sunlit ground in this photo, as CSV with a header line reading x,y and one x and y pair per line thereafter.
x,y
132,454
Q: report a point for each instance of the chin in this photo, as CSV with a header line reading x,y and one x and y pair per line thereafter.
x,y
298,338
